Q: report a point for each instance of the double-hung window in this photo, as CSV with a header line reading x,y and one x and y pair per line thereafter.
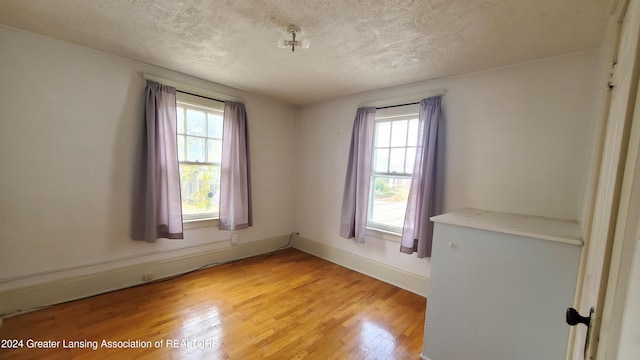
x,y
199,155
394,150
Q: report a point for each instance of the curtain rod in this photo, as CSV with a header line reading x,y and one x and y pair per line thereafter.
x,y
200,96
193,90
393,106
404,100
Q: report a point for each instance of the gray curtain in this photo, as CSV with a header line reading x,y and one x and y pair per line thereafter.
x,y
235,178
425,194
355,199
157,205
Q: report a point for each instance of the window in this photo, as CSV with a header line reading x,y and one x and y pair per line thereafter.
x,y
199,155
394,150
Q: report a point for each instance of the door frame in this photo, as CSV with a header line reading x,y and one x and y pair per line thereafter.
x,y
607,206
624,244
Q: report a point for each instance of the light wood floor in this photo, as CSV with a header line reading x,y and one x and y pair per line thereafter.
x,y
290,305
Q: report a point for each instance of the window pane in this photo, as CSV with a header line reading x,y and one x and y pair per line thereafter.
x,y
196,122
215,126
399,133
383,132
180,119
412,138
199,143
411,158
389,201
214,151
396,164
200,188
381,160
180,147
195,149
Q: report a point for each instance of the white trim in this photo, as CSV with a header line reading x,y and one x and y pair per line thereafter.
x,y
603,216
404,99
623,249
199,223
382,234
22,299
564,231
423,357
416,284
381,227
191,89
187,218
624,243
67,272
609,51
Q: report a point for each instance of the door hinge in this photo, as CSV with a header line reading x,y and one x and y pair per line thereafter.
x,y
612,82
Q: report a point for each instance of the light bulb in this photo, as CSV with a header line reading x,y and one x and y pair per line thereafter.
x,y
305,44
282,44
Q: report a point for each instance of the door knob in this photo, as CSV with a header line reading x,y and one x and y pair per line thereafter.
x,y
573,317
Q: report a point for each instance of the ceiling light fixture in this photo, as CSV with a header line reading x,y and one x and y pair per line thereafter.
x,y
293,43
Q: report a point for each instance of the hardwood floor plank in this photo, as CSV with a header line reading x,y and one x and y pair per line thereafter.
x,y
290,305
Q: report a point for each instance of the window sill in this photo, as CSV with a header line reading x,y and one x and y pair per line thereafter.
x,y
199,223
384,235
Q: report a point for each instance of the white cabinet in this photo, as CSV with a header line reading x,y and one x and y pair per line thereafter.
x,y
500,286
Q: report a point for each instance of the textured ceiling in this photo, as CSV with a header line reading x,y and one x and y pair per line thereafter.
x,y
356,45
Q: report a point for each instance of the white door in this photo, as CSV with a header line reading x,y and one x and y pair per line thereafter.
x,y
609,199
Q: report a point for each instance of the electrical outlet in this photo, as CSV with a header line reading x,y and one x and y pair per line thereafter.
x,y
147,277
234,238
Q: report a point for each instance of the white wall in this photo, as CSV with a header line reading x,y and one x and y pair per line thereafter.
x,y
518,139
69,124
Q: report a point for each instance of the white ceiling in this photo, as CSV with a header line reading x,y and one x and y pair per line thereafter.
x,y
356,45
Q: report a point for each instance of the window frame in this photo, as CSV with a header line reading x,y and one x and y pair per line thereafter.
x,y
390,115
194,102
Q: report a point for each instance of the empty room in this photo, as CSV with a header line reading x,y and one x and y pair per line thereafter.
x,y
278,179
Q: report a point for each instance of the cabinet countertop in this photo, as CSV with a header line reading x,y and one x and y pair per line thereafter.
x,y
564,231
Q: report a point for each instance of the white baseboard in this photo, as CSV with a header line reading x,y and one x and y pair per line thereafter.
x,y
29,297
394,276
424,357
